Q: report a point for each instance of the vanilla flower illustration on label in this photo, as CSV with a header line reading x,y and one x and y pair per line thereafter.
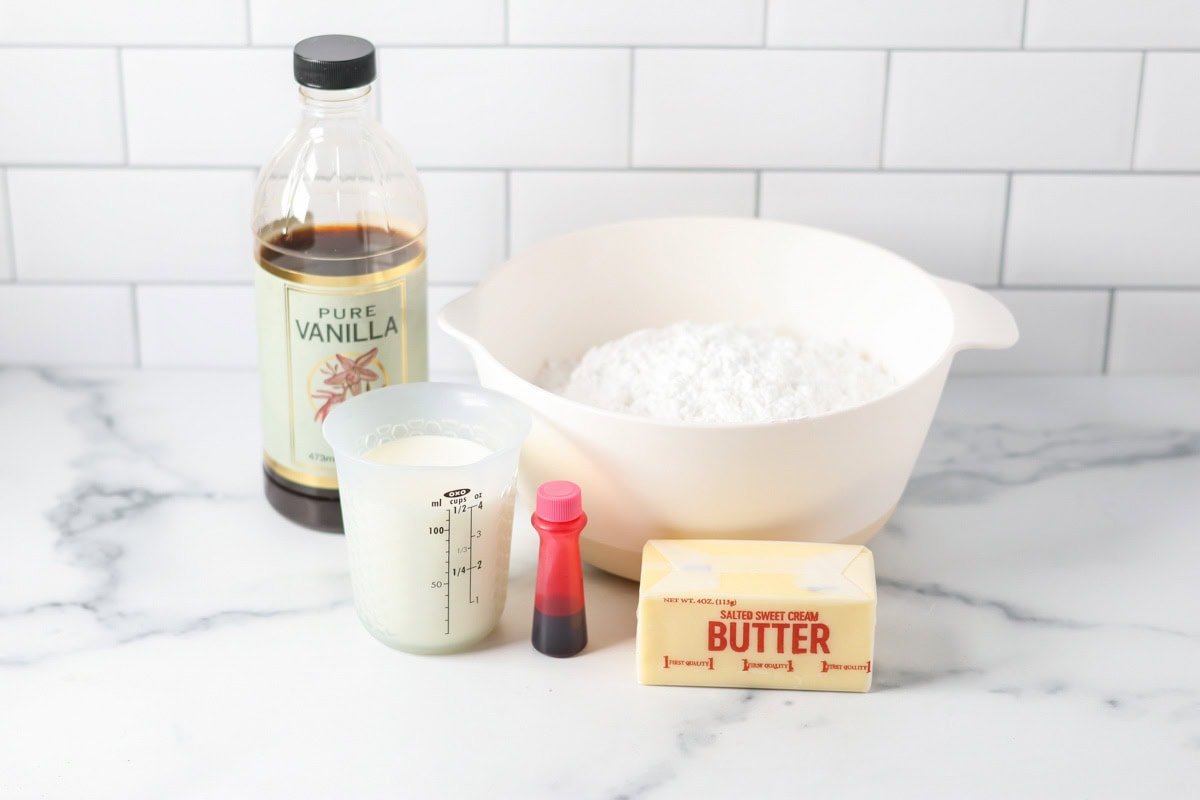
x,y
349,375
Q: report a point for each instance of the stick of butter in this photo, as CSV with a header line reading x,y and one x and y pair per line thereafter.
x,y
771,615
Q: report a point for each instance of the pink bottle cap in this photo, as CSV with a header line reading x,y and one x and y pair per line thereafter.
x,y
559,501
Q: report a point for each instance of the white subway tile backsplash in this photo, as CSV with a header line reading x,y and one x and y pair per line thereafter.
x,y
125,22
60,106
1011,110
209,106
1103,230
549,204
1169,121
132,224
6,267
539,107
949,224
467,224
1061,331
196,326
1155,332
67,325
446,355
1112,23
1061,137
757,108
636,22
894,23
384,22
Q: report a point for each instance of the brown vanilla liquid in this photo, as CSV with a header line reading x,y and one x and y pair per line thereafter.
x,y
330,251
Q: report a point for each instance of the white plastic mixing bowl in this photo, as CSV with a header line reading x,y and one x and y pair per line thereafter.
x,y
835,477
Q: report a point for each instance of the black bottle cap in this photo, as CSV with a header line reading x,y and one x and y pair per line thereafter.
x,y
333,62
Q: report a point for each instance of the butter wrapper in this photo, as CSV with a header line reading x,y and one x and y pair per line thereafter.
x,y
770,615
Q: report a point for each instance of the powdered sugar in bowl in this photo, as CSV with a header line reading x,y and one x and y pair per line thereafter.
x,y
722,372
834,476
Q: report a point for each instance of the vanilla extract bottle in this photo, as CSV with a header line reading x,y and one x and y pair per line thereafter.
x,y
339,223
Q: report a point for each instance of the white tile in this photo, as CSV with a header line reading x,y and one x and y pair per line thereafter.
x,y
126,22
6,267
66,325
894,23
1113,23
1011,110
952,225
541,107
549,204
381,21
757,108
636,22
1103,230
189,226
208,107
446,355
467,220
1061,331
1155,332
176,326
1168,134
60,107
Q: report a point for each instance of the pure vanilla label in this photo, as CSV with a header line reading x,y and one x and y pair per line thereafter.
x,y
321,345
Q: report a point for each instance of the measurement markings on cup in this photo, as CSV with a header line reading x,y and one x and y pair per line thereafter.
x,y
457,508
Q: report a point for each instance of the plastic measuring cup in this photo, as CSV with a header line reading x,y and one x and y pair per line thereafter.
x,y
429,545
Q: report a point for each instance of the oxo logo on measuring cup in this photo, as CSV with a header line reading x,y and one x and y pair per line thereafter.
x,y
428,508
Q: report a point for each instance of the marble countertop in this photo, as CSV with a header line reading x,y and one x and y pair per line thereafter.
x,y
163,634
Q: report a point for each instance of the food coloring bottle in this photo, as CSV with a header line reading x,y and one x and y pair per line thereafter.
x,y
559,624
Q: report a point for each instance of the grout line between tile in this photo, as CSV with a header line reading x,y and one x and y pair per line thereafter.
x,y
468,45
121,108
115,166
187,285
248,284
248,167
1108,328
1024,22
249,37
1137,112
758,174
137,326
1073,172
1004,228
883,115
606,46
506,12
1084,288
766,7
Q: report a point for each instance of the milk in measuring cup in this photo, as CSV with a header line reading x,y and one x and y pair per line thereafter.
x,y
428,451
429,543
427,479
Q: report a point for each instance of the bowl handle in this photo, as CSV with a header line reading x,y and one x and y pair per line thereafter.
x,y
980,320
